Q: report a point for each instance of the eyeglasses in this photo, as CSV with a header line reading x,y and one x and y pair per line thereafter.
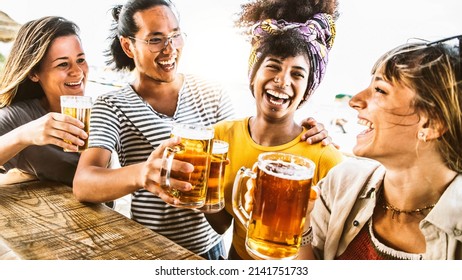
x,y
158,43
454,44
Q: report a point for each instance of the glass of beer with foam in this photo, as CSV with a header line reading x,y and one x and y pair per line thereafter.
x,y
78,107
195,148
215,200
281,191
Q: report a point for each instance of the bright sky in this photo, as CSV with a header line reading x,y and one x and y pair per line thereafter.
x,y
365,30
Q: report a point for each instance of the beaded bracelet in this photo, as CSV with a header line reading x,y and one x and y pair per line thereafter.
x,y
307,237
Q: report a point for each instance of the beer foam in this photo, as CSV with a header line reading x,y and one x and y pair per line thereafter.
x,y
77,101
286,170
193,132
219,147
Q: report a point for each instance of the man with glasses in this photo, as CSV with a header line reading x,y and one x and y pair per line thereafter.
x,y
138,118
159,42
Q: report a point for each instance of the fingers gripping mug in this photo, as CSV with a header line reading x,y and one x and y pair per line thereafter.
x,y
280,201
195,148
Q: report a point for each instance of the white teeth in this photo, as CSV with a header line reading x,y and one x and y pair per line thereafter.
x,y
167,62
366,123
276,103
74,84
279,95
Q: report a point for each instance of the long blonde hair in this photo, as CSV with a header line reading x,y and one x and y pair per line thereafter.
x,y
433,71
30,46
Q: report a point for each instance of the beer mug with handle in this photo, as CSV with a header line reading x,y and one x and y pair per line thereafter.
x,y
195,148
282,184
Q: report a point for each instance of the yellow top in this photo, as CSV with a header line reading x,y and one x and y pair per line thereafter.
x,y
243,151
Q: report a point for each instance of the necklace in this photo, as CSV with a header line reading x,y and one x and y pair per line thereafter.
x,y
396,211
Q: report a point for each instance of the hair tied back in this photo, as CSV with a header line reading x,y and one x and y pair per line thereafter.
x,y
116,12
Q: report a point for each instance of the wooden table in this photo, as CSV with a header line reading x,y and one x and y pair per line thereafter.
x,y
43,220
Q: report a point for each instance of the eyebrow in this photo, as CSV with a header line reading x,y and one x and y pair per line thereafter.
x,y
279,61
66,57
377,78
156,33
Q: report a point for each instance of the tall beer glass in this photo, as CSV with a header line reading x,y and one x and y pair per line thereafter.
x,y
215,200
195,148
78,107
280,201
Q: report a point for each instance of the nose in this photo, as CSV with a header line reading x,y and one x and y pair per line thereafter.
x,y
168,41
358,101
76,70
169,46
282,80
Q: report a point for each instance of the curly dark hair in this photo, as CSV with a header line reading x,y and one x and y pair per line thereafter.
x,y
289,10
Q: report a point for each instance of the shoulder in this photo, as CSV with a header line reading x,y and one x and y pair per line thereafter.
x,y
330,152
27,105
447,212
352,168
120,98
196,83
22,111
352,177
117,94
354,172
228,126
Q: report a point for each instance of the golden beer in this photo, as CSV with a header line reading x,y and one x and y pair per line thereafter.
x,y
78,107
195,148
281,195
215,200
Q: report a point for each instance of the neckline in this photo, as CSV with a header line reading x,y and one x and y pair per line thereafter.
x,y
388,251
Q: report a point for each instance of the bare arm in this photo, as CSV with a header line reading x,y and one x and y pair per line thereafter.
x,y
306,253
306,250
94,182
49,129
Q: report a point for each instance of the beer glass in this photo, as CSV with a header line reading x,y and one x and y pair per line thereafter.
x,y
195,148
78,107
282,184
215,200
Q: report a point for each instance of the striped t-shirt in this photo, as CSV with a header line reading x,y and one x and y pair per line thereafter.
x,y
122,121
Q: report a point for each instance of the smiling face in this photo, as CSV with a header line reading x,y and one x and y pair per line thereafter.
x,y
392,122
63,70
159,66
279,85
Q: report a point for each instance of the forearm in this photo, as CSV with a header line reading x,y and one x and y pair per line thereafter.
x,y
11,144
100,184
306,253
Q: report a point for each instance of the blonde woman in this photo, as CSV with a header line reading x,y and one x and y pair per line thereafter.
x,y
46,61
406,203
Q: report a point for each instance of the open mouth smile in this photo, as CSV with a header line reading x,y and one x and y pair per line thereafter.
x,y
277,98
369,126
167,64
74,84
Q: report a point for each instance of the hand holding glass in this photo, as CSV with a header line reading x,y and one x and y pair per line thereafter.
x,y
195,148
